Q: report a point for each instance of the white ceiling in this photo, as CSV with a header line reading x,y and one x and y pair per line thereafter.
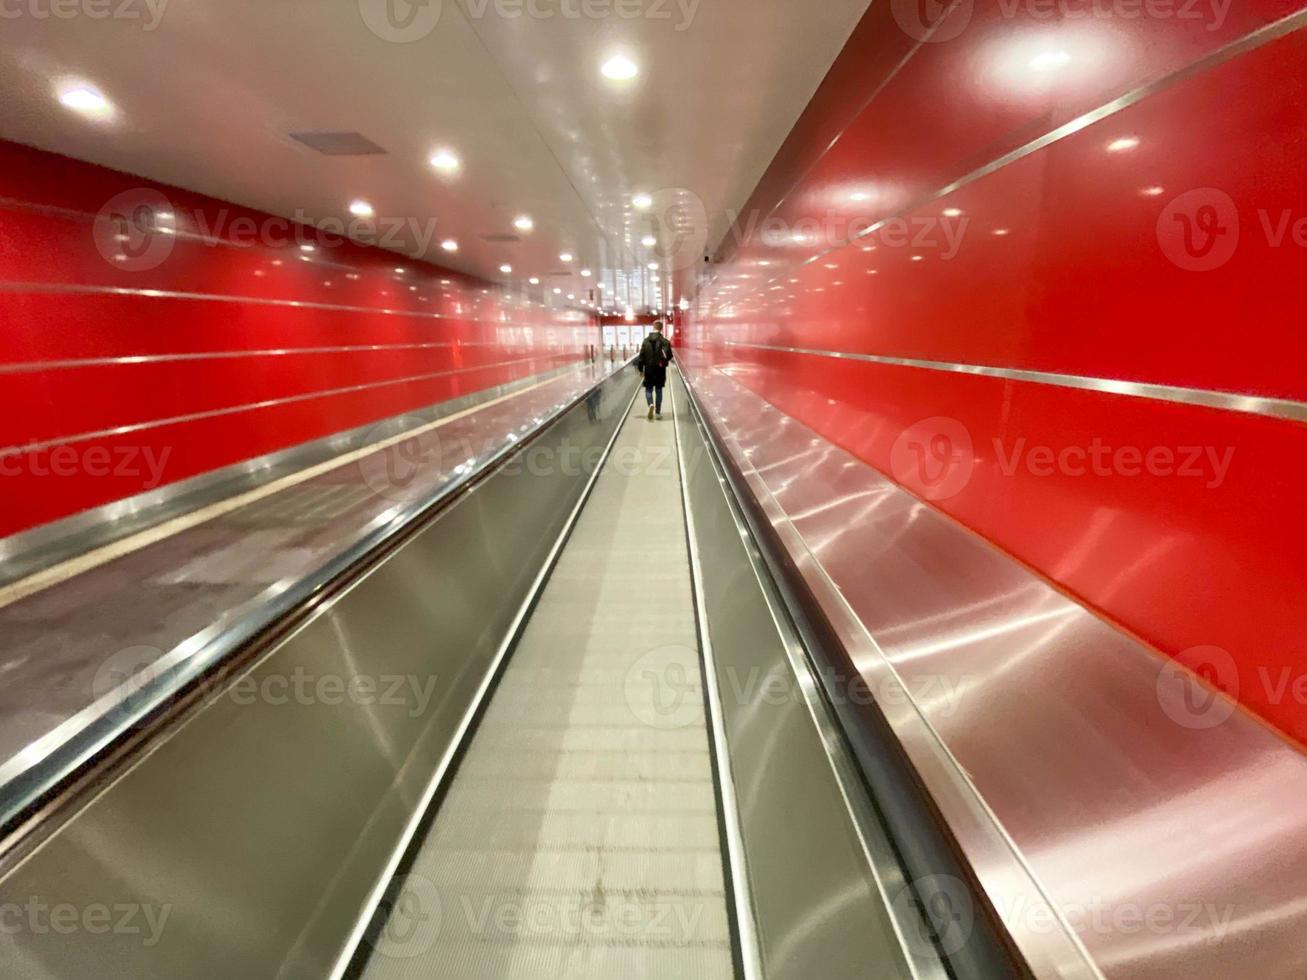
x,y
206,101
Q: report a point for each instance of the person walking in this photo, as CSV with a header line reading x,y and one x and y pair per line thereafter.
x,y
655,355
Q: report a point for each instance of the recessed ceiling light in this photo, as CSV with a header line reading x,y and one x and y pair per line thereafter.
x,y
571,295
642,201
1000,232
308,248
87,100
361,209
860,196
505,268
654,266
399,269
620,68
534,281
1123,143
916,258
524,223
648,241
952,212
446,161
585,273
1050,60
449,245
566,257
557,291
1153,191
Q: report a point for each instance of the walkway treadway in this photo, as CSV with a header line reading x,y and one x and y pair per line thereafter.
x,y
579,837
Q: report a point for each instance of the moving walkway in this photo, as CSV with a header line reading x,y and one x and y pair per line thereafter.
x,y
559,717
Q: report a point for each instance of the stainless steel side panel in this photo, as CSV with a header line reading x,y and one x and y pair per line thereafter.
x,y
247,844
819,886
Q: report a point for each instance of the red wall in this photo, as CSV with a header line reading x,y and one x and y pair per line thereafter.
x,y
66,300
1089,277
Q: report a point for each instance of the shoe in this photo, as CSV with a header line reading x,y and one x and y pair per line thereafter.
x,y
651,413
659,416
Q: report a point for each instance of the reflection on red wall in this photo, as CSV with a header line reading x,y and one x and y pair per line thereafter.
x,y
151,334
1094,198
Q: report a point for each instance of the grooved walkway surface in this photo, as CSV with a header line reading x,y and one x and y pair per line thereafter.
x,y
579,838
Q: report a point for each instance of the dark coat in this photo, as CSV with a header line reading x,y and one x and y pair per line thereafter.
x,y
655,355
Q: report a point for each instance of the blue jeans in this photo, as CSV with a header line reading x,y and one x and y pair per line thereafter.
x,y
649,397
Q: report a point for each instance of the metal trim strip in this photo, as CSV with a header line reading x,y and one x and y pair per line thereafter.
x,y
254,406
29,552
93,290
1229,401
26,367
746,926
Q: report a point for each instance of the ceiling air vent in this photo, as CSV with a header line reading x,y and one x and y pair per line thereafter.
x,y
339,144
